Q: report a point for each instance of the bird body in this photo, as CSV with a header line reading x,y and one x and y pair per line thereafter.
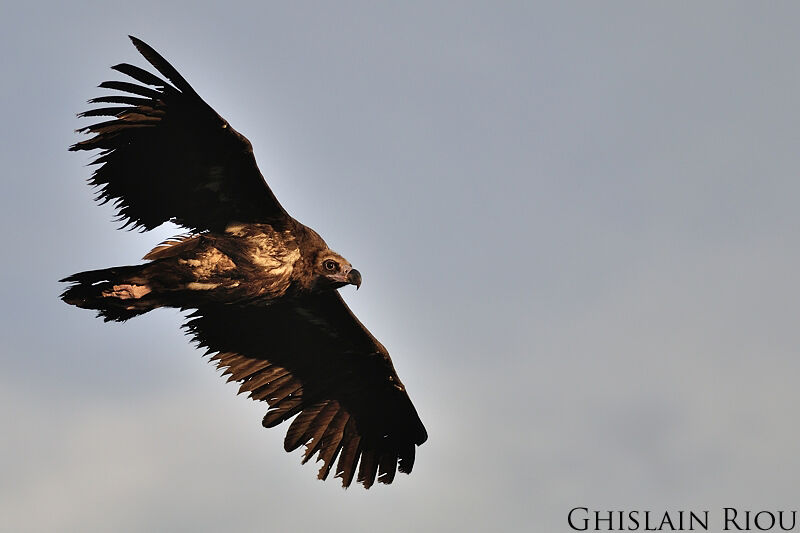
x,y
247,264
260,287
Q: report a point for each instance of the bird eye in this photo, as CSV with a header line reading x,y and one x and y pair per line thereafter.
x,y
330,265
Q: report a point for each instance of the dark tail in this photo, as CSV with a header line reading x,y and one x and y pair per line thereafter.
x,y
117,293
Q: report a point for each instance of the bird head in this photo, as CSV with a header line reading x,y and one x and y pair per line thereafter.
x,y
335,271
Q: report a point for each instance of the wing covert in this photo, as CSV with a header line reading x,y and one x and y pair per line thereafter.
x,y
166,155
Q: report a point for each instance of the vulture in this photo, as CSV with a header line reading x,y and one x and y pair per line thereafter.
x,y
260,288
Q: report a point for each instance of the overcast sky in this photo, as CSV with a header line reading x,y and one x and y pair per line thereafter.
x,y
577,225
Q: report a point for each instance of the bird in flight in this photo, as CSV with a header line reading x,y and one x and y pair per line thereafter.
x,y
261,288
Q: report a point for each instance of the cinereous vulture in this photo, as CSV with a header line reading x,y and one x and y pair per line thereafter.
x,y
260,287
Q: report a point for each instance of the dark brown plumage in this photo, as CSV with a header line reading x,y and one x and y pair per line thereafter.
x,y
260,286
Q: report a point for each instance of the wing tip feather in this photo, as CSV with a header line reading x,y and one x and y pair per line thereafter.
x,y
162,65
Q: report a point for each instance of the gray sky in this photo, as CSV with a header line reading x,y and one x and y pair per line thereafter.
x,y
578,230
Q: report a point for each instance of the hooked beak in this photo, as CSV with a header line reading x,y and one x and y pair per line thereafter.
x,y
354,278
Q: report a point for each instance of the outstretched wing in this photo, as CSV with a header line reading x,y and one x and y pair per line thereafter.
x,y
311,357
166,155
